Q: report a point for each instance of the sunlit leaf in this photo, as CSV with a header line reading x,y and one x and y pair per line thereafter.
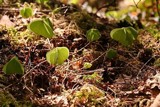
x,y
13,67
132,32
57,56
125,35
112,14
93,35
118,34
26,12
42,27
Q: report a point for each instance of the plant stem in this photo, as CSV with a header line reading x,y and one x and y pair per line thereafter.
x,y
158,11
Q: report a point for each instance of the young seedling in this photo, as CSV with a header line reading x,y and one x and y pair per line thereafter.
x,y
42,27
57,56
111,53
93,35
13,67
125,35
26,12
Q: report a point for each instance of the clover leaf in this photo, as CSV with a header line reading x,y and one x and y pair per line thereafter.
x,y
57,56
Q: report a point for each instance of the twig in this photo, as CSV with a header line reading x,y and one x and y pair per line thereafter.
x,y
144,66
81,48
17,10
28,71
104,6
99,70
7,86
92,71
98,57
136,3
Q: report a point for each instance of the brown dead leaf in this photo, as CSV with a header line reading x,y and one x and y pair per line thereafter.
x,y
156,102
5,21
154,84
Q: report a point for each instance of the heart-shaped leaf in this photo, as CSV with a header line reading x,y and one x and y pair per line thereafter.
x,y
125,35
111,53
42,27
57,56
93,35
13,67
26,12
118,34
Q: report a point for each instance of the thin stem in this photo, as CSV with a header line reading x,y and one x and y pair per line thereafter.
x,y
28,71
158,11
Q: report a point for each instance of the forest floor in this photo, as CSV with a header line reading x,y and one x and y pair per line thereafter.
x,y
130,79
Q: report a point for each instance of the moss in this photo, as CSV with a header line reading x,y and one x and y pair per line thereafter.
x,y
89,95
7,100
83,20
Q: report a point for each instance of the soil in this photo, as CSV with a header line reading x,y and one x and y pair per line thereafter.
x,y
128,80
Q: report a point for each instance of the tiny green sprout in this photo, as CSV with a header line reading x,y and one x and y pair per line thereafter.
x,y
93,35
42,27
26,12
87,65
125,35
13,67
157,63
111,53
57,56
56,10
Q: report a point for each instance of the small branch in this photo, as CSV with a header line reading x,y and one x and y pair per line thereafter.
x,y
143,66
92,71
104,6
28,71
136,3
17,10
84,72
81,48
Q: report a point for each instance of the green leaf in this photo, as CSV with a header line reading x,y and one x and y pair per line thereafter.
x,y
111,53
125,35
26,12
118,34
58,55
132,32
93,35
113,14
13,67
87,65
42,27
